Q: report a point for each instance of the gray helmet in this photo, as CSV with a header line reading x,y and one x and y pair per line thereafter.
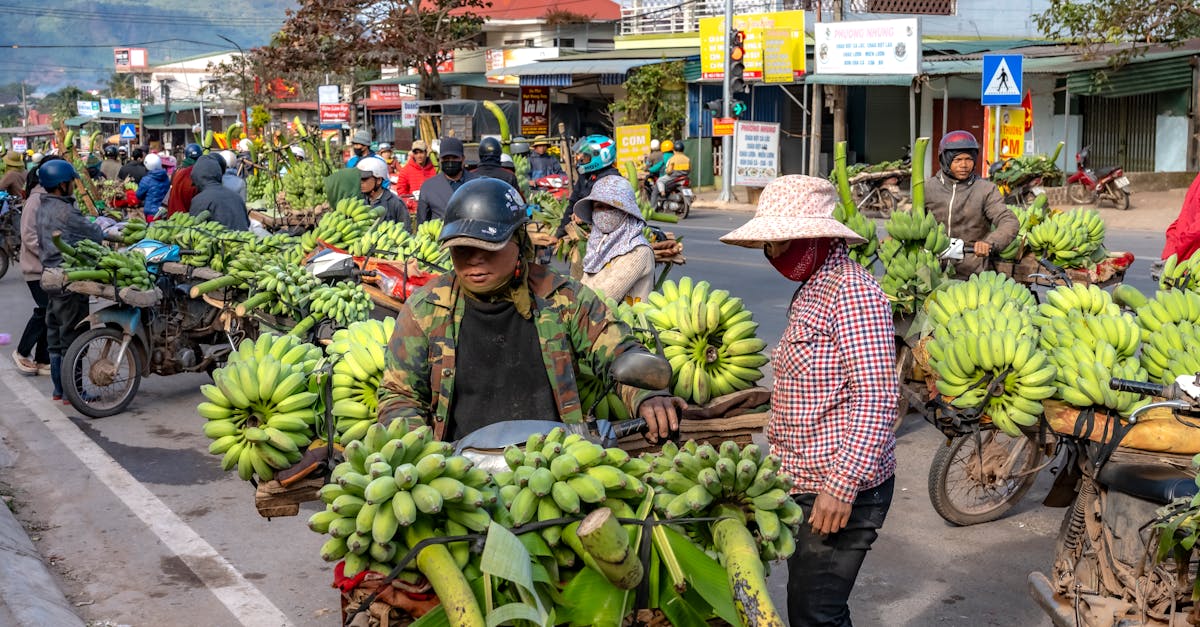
x,y
486,211
361,137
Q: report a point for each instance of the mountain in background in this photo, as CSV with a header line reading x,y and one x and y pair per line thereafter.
x,y
79,35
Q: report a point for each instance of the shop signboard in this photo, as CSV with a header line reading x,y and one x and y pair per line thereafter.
x,y
496,58
19,144
90,108
777,60
385,92
1012,133
714,49
868,47
723,127
408,114
535,111
633,143
755,153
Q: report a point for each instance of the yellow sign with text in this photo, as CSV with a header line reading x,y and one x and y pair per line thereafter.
x,y
786,46
1012,133
633,143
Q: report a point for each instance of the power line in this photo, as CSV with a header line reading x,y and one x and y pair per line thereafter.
x,y
120,45
110,16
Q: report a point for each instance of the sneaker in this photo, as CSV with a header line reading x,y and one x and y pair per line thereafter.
x,y
43,370
25,365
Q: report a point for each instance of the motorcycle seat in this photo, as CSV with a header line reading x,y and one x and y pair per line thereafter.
x,y
1152,482
1103,172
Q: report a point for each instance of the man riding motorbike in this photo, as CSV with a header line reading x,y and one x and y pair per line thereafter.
x,y
502,338
971,208
489,162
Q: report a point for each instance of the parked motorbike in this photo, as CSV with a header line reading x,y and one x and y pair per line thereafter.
x,y
10,231
674,194
1087,186
1104,570
557,185
104,366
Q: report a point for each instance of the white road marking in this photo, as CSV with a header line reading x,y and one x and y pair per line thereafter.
x,y
246,602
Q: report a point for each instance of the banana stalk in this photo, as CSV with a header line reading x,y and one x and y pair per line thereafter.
x,y
218,283
918,174
744,566
842,178
89,275
304,326
254,302
608,544
439,567
501,120
1057,150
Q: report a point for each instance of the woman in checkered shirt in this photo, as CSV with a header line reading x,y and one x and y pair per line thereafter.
x,y
835,396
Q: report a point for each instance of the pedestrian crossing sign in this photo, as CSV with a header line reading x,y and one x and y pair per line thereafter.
x,y
1002,79
128,131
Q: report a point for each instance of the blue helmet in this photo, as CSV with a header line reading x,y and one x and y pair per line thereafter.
x,y
597,152
193,151
51,174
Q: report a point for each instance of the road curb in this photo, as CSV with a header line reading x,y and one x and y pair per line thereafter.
x,y
29,593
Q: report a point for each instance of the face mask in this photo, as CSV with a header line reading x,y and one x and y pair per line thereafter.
x,y
452,168
802,258
607,220
362,152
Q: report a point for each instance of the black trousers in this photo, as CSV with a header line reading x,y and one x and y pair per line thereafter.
x,y
33,340
822,571
65,312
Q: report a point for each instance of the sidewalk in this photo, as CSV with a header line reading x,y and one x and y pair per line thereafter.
x,y
1149,211
29,593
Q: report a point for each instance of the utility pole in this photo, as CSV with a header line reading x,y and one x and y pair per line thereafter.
x,y
727,112
24,109
838,92
814,112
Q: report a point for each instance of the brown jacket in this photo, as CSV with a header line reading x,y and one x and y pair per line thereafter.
x,y
31,261
972,210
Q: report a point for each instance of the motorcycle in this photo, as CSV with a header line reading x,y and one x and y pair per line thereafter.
x,y
1086,185
124,343
10,231
557,185
674,194
1104,571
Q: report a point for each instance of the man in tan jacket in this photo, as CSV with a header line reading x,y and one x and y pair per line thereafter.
x,y
971,208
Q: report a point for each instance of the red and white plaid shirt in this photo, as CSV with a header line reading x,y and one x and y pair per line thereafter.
x,y
836,391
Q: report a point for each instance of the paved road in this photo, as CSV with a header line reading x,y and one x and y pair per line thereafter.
x,y
145,529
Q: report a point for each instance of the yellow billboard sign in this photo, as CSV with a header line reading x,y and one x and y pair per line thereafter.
x,y
633,142
756,26
1012,133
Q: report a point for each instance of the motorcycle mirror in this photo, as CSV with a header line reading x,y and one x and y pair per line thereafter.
x,y
642,370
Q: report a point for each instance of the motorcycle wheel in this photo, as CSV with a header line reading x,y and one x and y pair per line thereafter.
x,y
91,383
687,208
962,496
1120,200
1079,194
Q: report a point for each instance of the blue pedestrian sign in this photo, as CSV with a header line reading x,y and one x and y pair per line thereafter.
x,y
128,131
1002,80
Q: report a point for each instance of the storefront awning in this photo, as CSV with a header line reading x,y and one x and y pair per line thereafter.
x,y
900,80
1137,78
462,79
569,67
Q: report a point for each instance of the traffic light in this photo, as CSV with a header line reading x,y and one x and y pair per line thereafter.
x,y
737,62
717,107
739,108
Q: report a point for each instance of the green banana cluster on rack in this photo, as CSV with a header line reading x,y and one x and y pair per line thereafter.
x,y
550,210
1180,274
1170,328
1070,239
261,407
1168,307
192,233
854,219
357,374
708,336
1028,217
389,240
344,303
395,489
996,368
291,286
911,273
89,261
350,219
1088,299
1084,371
1121,331
918,228
304,184
134,230
739,484
558,475
980,291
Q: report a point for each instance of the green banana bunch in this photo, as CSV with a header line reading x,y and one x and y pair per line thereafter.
x,y
260,410
1120,331
1180,274
89,261
1070,239
918,227
967,363
850,216
550,210
1170,327
1029,217
304,185
395,489
385,241
1083,373
707,335
741,484
981,291
559,475
134,231
344,303
357,373
342,227
911,274
1168,307
1088,299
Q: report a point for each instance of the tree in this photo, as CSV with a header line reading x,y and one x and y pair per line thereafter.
x,y
341,36
1096,23
61,104
121,85
648,99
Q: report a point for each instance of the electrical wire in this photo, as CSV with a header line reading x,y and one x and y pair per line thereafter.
x,y
196,42
139,18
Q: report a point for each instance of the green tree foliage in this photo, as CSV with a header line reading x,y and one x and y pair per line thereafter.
x,y
648,99
1097,23
61,104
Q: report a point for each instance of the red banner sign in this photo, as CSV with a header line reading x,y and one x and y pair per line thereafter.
x,y
723,127
385,92
535,111
335,113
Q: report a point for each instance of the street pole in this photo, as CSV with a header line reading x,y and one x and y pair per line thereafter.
x,y
727,112
838,92
245,103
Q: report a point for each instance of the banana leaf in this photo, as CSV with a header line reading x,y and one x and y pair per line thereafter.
x,y
705,576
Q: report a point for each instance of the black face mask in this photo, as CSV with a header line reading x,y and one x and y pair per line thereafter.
x,y
361,152
452,168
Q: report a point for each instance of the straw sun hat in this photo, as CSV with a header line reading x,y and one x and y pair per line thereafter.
x,y
793,207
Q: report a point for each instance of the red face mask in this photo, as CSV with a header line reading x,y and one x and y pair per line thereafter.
x,y
802,258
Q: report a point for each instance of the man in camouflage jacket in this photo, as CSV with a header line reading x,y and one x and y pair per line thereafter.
x,y
574,331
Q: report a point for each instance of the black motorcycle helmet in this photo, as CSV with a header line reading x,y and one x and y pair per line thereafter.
x,y
193,152
111,152
484,211
955,143
490,150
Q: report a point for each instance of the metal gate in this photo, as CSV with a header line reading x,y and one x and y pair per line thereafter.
x,y
1120,131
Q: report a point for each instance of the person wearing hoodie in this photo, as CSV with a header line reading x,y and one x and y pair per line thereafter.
x,y
182,189
58,213
489,163
154,187
223,205
134,169
230,179
416,170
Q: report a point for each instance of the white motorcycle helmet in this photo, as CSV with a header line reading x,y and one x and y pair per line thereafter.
x,y
654,144
374,166
152,162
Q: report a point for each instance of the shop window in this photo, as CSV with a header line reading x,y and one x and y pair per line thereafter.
x,y
913,7
565,42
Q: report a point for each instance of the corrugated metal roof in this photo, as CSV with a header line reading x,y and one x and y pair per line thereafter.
x,y
1149,77
903,80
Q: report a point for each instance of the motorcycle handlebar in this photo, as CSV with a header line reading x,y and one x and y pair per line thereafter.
x,y
1143,388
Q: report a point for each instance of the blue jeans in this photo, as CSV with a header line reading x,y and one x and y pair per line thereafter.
x,y
822,571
